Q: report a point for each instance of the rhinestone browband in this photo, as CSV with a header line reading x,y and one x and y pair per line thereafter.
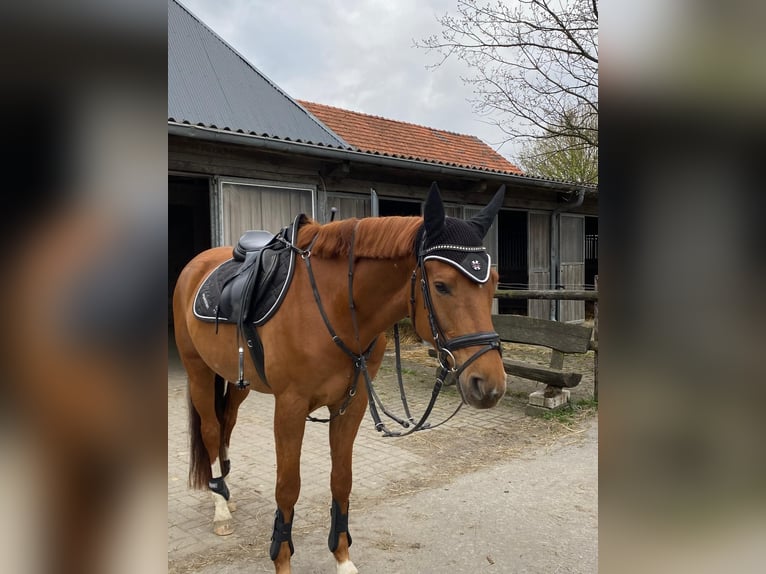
x,y
454,248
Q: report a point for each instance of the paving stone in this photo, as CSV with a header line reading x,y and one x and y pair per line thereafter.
x,y
379,464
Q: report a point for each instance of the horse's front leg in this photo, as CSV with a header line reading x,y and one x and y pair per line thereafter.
x,y
343,430
289,425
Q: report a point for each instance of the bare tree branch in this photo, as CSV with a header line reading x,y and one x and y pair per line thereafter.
x,y
534,65
545,5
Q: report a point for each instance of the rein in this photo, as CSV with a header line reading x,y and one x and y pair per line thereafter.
x,y
359,359
447,363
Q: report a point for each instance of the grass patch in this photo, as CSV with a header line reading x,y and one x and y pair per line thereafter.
x,y
573,411
586,404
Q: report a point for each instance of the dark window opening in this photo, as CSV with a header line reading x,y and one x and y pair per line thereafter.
x,y
591,251
591,260
512,264
188,225
394,207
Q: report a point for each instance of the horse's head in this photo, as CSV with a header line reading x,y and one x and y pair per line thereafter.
x,y
453,307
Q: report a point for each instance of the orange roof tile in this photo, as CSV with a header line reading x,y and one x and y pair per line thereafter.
x,y
378,135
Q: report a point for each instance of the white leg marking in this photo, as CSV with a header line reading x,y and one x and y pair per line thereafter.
x,y
347,567
221,508
215,468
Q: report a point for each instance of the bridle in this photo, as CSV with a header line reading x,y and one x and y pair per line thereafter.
x,y
487,340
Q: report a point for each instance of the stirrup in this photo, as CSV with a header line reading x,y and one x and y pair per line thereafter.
x,y
241,382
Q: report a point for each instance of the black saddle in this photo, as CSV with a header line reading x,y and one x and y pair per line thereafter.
x,y
249,288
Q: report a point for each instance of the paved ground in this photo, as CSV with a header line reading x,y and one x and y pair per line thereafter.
x,y
490,491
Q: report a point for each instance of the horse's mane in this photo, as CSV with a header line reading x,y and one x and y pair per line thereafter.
x,y
375,237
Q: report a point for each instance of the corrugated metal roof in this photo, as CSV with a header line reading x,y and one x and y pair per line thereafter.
x,y
211,84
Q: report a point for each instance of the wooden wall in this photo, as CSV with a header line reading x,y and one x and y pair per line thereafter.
x,y
347,185
539,262
572,264
194,156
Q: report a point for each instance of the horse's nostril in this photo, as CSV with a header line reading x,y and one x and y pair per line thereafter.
x,y
477,386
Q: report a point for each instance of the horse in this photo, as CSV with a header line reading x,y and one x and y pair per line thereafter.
x,y
353,280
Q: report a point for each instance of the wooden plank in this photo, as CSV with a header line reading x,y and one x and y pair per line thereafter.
x,y
572,277
564,337
539,272
537,308
561,294
557,359
553,377
539,241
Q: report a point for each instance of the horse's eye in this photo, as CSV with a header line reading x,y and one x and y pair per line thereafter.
x,y
441,288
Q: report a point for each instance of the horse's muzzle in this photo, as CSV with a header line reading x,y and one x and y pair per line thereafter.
x,y
481,392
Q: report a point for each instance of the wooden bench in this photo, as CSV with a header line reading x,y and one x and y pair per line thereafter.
x,y
561,339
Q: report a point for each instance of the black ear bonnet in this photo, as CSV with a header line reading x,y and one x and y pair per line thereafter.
x,y
457,242
460,245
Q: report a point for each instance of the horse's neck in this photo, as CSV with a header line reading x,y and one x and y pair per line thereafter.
x,y
381,292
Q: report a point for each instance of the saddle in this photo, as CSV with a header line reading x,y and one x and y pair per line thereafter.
x,y
249,288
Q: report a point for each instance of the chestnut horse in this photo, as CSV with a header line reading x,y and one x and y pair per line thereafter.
x,y
354,279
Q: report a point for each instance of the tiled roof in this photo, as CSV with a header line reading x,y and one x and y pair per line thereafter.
x,y
373,134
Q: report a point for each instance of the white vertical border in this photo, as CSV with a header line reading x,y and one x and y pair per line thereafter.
x,y
216,213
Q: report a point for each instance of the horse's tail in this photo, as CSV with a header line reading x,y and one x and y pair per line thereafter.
x,y
199,463
221,398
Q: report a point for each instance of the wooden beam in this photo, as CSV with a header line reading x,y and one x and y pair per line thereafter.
x,y
563,337
551,294
553,377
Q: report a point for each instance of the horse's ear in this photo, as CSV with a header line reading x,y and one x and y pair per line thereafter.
x,y
433,212
483,220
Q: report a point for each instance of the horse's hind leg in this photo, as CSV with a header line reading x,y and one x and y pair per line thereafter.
x,y
343,430
234,398
207,398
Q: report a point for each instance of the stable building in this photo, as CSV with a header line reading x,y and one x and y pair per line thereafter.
x,y
243,154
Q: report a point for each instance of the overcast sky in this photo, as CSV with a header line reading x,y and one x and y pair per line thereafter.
x,y
354,55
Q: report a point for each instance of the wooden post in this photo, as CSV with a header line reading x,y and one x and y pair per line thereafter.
x,y
595,338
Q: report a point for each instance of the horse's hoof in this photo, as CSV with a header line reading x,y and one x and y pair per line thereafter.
x,y
223,528
232,505
347,567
